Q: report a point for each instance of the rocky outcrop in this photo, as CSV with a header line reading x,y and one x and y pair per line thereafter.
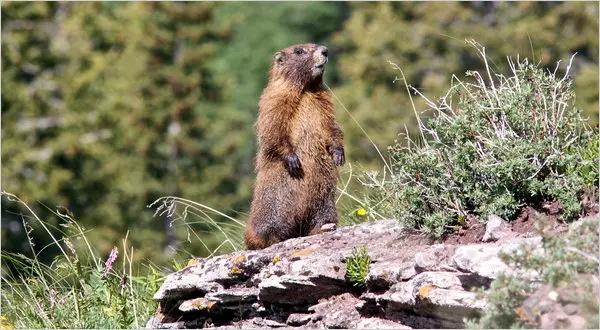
x,y
574,306
302,282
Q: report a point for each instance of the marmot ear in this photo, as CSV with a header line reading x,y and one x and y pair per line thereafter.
x,y
279,57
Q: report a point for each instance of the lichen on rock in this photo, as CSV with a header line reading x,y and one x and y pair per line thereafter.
x,y
302,282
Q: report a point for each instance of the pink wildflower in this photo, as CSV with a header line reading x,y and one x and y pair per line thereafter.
x,y
111,259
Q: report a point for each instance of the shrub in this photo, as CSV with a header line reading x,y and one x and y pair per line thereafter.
x,y
493,146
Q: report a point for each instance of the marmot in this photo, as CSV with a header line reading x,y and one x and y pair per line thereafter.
x,y
299,146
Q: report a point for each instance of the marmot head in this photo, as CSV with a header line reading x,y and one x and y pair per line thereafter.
x,y
302,64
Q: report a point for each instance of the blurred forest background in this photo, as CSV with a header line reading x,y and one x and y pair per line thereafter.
x,y
107,106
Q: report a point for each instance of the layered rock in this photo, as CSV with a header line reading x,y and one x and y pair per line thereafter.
x,y
302,283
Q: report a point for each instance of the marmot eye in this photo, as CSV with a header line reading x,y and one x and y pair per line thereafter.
x,y
300,51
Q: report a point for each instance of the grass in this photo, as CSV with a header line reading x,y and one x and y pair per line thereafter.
x,y
78,289
82,289
226,231
365,205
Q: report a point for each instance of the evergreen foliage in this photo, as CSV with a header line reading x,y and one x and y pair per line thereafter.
x,y
426,39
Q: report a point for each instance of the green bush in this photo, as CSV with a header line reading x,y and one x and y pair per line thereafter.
x,y
492,146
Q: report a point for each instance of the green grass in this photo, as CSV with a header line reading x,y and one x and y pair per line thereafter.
x,y
80,288
196,220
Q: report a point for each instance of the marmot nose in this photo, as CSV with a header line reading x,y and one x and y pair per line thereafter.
x,y
323,50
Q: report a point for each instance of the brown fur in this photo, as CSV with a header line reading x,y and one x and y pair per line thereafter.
x,y
300,145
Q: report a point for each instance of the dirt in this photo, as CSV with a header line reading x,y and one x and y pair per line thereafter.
x,y
544,221
589,201
471,232
540,223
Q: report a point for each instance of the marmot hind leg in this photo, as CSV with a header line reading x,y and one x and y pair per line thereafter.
x,y
272,218
262,234
253,240
327,213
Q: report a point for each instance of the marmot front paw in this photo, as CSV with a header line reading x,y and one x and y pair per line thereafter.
x,y
292,165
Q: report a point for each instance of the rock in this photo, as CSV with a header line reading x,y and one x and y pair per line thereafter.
x,y
383,275
180,285
434,294
196,304
158,321
297,319
210,275
328,227
483,260
377,323
267,322
575,225
571,309
434,258
234,296
495,229
302,282
449,304
297,289
550,308
338,312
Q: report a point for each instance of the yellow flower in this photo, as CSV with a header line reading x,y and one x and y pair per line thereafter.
x,y
3,324
361,212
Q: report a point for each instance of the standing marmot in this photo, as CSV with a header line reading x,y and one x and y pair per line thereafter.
x,y
299,145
